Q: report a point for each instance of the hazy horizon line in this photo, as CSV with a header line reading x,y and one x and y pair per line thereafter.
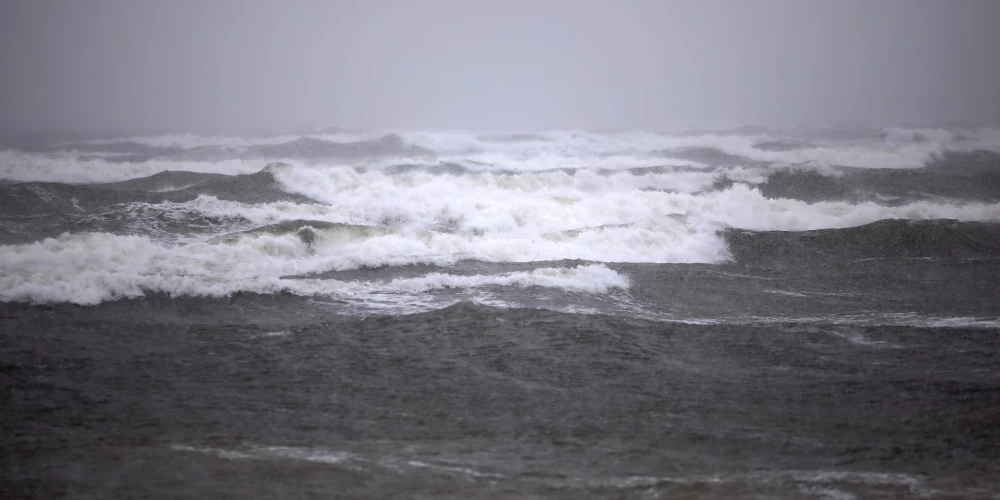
x,y
112,133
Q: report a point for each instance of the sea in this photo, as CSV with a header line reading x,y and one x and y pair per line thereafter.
x,y
741,313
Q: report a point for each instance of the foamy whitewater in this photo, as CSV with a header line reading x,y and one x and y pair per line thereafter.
x,y
349,201
750,313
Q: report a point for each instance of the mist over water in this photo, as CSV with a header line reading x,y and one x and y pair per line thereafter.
x,y
113,66
501,250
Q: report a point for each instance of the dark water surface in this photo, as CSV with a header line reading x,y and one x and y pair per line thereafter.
x,y
262,397
550,315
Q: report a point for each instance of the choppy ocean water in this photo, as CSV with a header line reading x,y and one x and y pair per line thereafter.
x,y
769,313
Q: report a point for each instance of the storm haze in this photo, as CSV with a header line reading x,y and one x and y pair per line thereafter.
x,y
91,65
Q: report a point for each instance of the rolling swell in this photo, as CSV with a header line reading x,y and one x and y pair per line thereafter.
x,y
146,206
259,187
164,181
707,155
179,187
312,148
885,239
120,151
33,198
302,148
960,176
162,222
168,186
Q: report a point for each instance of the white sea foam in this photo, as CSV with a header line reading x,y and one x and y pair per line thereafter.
x,y
95,267
351,460
809,483
519,208
894,148
876,318
419,217
548,150
661,213
549,216
327,457
586,278
433,219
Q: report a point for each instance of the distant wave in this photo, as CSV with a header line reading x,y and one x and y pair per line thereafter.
x,y
176,187
303,148
884,239
956,176
826,154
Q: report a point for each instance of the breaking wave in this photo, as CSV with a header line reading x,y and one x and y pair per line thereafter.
x,y
185,215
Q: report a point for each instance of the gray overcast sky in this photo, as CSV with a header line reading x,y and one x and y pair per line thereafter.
x,y
238,65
